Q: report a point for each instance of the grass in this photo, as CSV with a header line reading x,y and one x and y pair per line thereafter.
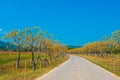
x,y
9,72
112,65
7,58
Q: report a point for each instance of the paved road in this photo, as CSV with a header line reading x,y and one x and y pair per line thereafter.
x,y
77,68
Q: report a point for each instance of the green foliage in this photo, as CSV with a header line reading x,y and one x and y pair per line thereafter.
x,y
116,36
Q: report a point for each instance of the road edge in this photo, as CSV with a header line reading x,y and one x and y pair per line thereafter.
x,y
102,69
53,69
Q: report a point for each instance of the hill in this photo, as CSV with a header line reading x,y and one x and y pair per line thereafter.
x,y
6,46
72,46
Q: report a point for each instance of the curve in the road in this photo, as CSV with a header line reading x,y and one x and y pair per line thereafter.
x,y
77,68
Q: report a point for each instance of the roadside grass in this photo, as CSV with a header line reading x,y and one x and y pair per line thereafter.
x,y
9,72
108,63
7,58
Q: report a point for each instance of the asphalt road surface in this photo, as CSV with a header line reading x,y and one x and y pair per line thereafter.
x,y
77,68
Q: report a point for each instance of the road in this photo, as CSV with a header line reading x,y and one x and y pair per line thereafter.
x,y
77,68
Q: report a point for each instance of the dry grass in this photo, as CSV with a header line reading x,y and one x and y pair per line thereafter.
x,y
9,72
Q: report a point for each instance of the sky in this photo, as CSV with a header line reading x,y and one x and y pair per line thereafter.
x,y
73,22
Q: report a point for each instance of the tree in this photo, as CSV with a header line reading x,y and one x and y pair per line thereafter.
x,y
30,39
116,38
16,38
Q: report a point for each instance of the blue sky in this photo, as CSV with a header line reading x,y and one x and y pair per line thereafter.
x,y
74,22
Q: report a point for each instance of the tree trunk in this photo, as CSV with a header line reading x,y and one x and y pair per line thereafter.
x,y
38,57
45,62
33,61
18,59
50,56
